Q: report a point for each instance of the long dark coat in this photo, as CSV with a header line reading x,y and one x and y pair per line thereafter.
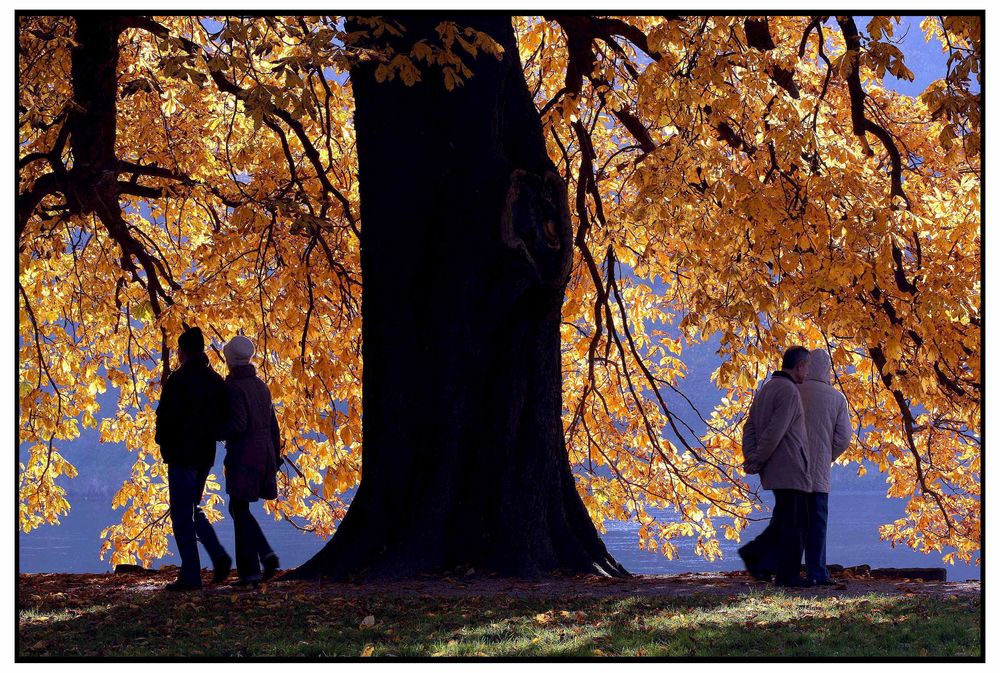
x,y
190,415
253,441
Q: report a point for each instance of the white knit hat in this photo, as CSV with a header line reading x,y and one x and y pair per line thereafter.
x,y
238,351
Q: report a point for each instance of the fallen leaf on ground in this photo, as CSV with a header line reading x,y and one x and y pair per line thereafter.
x,y
368,622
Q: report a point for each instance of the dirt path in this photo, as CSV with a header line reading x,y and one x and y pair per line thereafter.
x,y
72,588
660,586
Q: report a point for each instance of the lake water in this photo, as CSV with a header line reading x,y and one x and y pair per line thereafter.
x,y
852,539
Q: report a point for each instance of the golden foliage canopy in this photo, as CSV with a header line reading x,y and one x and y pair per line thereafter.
x,y
749,178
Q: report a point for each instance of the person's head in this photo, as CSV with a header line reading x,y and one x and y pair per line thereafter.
x,y
190,343
820,366
238,351
795,363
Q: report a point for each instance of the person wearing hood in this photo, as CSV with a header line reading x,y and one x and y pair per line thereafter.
x,y
828,427
189,417
253,454
774,445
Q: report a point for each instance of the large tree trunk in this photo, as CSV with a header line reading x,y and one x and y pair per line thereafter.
x,y
466,247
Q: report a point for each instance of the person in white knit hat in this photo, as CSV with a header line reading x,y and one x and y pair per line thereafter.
x,y
253,454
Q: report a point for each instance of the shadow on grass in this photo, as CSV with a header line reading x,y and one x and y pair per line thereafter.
x,y
293,621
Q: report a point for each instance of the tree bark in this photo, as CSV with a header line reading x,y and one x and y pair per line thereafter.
x,y
466,248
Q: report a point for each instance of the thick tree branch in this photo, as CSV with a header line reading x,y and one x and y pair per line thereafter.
x,y
28,201
859,122
581,31
759,37
878,357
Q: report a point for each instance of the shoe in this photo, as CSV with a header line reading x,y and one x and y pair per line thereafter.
x,y
182,586
244,583
221,570
270,563
827,583
753,568
794,583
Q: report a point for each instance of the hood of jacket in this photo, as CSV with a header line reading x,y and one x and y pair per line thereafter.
x,y
820,366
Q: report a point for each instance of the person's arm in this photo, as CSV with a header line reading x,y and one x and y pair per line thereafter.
x,y
236,418
842,429
165,411
784,406
221,413
275,438
750,465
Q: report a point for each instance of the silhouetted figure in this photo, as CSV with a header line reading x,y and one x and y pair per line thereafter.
x,y
188,423
253,454
828,427
774,444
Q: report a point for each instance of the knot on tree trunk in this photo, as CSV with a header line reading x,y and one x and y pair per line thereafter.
x,y
535,220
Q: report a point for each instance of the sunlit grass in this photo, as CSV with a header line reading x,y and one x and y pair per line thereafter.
x,y
293,620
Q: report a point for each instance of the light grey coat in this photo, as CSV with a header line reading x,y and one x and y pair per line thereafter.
x,y
774,436
828,424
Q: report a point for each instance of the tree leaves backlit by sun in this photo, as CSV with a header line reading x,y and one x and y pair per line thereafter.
x,y
746,178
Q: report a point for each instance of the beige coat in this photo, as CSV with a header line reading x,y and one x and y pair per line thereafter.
x,y
774,436
828,423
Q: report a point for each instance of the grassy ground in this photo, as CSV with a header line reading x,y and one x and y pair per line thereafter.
x,y
109,618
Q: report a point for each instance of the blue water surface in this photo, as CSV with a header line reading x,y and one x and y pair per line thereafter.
x,y
74,545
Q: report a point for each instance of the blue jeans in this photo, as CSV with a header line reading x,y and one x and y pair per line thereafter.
x,y
185,486
778,549
251,545
816,537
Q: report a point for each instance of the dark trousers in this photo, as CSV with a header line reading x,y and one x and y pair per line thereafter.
x,y
816,537
251,545
185,486
778,548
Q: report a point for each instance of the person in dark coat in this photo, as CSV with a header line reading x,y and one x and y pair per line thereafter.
x,y
253,454
188,420
775,445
